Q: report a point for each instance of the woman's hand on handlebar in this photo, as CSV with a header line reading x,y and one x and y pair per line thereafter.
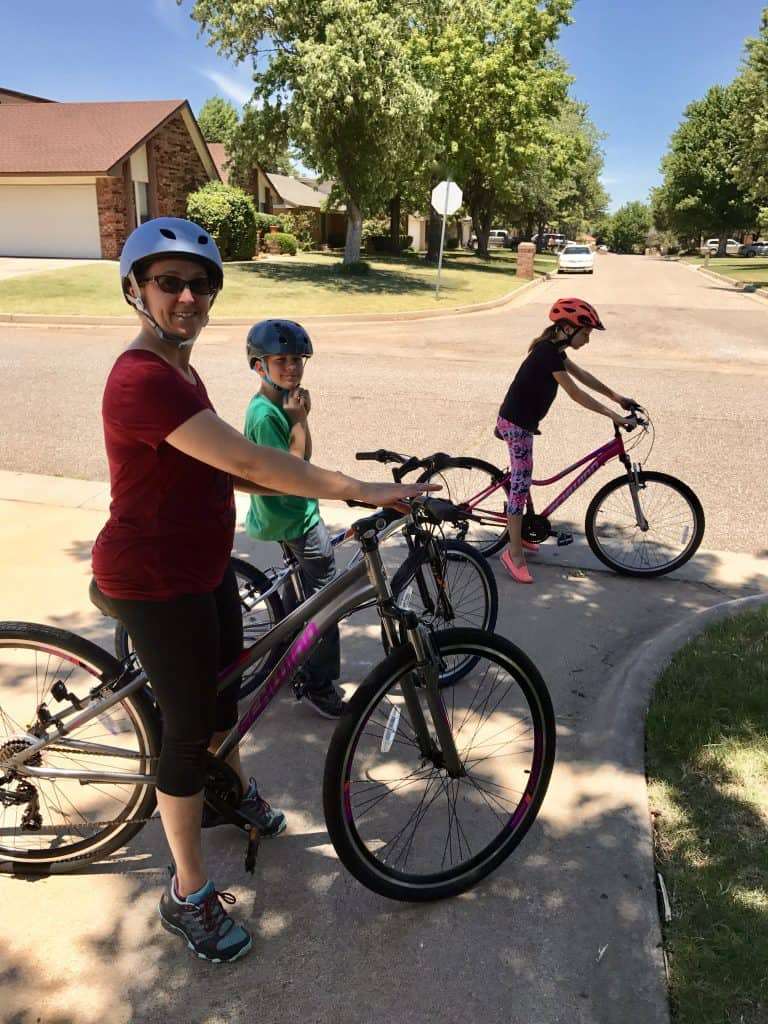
x,y
627,422
392,495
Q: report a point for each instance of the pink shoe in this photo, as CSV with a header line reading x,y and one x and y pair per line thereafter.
x,y
519,573
528,545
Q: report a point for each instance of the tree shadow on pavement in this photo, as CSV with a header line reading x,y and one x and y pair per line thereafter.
x,y
564,929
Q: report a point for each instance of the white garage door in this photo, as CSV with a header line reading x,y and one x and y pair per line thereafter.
x,y
49,220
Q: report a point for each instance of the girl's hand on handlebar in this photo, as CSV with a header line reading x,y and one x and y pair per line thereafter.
x,y
392,495
627,422
628,403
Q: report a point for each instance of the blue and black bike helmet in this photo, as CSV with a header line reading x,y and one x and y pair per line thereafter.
x,y
167,236
276,338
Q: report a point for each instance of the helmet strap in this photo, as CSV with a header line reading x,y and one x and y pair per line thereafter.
x,y
138,304
282,392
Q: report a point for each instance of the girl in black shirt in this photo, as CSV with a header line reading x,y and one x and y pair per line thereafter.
x,y
528,400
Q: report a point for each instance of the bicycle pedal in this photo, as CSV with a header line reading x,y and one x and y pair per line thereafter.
x,y
252,849
564,538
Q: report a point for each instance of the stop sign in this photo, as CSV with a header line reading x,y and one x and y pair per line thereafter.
x,y
446,197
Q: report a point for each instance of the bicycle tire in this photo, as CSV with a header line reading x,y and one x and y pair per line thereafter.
x,y
68,654
251,583
463,478
340,786
479,612
626,518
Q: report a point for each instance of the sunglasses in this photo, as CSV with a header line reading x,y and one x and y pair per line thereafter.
x,y
173,285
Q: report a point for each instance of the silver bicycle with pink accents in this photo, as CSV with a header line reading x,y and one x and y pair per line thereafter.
x,y
642,523
427,787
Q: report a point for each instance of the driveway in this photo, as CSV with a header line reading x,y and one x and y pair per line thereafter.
x,y
17,266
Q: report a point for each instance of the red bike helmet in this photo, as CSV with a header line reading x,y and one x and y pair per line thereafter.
x,y
576,312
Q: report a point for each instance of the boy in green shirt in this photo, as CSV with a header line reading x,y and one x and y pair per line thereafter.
x,y
277,417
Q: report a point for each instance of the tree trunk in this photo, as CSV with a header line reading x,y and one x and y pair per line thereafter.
x,y
394,224
354,232
481,221
540,237
434,230
721,247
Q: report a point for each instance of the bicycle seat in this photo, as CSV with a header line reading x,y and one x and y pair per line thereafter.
x,y
99,599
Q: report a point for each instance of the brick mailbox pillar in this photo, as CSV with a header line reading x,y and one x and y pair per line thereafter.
x,y
525,253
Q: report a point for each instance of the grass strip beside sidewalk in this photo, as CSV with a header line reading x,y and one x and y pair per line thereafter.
x,y
747,270
707,765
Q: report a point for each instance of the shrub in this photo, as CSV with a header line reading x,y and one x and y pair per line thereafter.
x,y
382,243
285,243
303,224
451,243
336,239
228,214
264,222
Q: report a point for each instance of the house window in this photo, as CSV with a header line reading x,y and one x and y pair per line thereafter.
x,y
142,201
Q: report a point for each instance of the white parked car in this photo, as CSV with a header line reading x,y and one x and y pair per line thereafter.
x,y
731,246
576,258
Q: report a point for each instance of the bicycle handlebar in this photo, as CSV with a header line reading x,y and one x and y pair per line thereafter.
x,y
382,455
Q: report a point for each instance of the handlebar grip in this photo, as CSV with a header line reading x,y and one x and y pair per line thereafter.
x,y
370,456
359,504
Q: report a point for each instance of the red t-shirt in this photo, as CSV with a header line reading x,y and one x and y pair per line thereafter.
x,y
172,518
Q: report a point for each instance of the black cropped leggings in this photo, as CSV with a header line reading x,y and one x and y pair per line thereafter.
x,y
182,644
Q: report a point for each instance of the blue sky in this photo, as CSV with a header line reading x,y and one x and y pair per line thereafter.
x,y
637,63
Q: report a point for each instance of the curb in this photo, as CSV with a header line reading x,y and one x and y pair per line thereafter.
x,y
234,321
737,286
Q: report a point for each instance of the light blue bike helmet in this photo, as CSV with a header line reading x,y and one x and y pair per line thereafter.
x,y
167,236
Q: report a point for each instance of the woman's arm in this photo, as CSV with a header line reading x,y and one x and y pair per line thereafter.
x,y
573,391
251,488
209,439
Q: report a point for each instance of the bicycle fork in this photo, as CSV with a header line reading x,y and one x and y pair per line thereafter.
x,y
442,754
634,489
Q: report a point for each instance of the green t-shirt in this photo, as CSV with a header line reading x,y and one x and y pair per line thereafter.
x,y
275,517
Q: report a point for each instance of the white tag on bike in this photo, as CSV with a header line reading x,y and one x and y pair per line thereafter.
x,y
391,730
406,601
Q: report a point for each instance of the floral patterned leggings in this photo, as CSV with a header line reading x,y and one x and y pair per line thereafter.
x,y
520,446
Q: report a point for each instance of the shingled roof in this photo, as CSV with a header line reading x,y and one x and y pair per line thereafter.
x,y
76,138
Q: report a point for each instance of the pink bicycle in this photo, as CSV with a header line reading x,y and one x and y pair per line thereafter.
x,y
642,523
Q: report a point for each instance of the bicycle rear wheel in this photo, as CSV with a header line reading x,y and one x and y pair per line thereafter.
x,y
471,597
462,480
260,614
49,824
400,824
675,525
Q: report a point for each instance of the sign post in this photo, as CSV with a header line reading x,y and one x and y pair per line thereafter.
x,y
446,199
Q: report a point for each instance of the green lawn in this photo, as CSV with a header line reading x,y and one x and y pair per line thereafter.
x,y
287,286
752,270
707,749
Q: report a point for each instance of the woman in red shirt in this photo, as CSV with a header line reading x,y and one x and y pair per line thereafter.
x,y
161,563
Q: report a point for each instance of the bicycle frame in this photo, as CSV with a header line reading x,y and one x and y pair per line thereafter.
x,y
597,459
363,581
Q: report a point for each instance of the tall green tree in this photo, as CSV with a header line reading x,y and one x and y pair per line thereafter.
x,y
218,120
700,192
496,81
751,118
560,183
629,226
334,78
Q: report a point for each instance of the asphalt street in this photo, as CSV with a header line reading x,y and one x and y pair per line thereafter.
x,y
693,351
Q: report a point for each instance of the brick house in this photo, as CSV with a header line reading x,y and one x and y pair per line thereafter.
x,y
76,178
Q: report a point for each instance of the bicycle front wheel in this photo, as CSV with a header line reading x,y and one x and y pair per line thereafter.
x,y
675,521
56,823
260,614
399,823
460,590
464,480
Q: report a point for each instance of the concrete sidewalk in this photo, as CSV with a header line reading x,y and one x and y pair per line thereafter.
x,y
566,930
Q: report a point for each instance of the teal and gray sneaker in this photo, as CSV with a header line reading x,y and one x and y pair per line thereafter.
x,y
200,918
267,819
